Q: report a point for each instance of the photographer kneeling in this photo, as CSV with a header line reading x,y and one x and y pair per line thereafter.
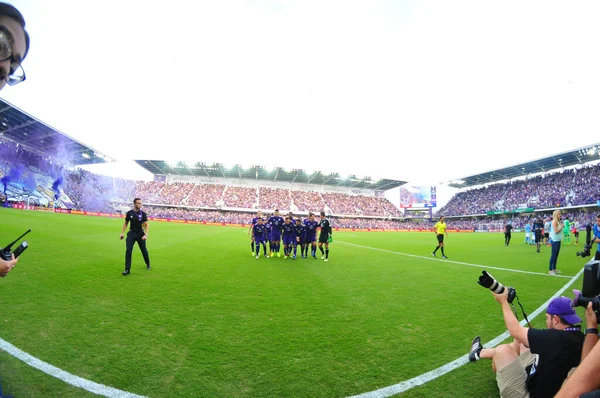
x,y
538,360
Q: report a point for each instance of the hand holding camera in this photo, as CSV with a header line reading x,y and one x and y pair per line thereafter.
x,y
590,317
7,266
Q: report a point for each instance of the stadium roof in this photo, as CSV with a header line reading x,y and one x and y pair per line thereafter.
x,y
36,136
218,170
577,156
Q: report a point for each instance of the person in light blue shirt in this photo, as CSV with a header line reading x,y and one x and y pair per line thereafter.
x,y
556,237
527,233
596,237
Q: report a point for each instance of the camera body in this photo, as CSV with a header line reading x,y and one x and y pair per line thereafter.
x,y
588,242
590,291
6,253
487,280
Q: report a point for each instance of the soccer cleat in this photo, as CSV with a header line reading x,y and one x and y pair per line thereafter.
x,y
293,257
433,254
314,256
252,254
322,257
278,255
148,268
267,256
476,348
445,257
551,272
126,272
285,257
272,254
557,271
326,259
257,257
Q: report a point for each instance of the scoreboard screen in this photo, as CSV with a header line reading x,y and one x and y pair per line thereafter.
x,y
417,196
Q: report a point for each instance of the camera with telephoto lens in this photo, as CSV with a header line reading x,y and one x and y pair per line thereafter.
x,y
590,289
588,242
487,280
6,253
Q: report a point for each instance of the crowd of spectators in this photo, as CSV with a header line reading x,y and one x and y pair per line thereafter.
x,y
93,192
572,187
307,200
205,195
240,197
274,198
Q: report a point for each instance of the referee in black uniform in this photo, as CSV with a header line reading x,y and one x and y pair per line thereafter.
x,y
324,236
138,232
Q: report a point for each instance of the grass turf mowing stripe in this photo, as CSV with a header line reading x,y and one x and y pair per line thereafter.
x,y
453,262
67,377
450,366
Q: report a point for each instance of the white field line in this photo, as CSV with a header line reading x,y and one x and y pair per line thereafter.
x,y
67,377
450,366
452,262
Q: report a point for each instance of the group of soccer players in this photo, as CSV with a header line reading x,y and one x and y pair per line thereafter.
x,y
293,232
539,231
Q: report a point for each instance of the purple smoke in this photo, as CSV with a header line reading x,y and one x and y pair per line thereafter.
x,y
56,187
5,180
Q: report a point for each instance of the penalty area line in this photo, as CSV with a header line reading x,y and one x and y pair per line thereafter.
x,y
450,366
453,262
76,381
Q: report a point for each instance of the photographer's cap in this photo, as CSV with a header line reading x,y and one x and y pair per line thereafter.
x,y
563,306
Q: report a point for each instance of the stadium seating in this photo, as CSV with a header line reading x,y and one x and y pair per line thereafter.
x,y
30,175
572,187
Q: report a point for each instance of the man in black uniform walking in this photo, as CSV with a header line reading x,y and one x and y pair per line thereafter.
x,y
538,226
138,232
507,233
325,236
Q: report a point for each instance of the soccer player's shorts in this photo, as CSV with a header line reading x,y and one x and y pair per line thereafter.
x,y
259,241
538,237
323,238
576,233
310,239
527,234
276,235
440,238
546,234
288,239
301,242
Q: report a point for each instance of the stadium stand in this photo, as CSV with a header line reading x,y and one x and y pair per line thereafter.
x,y
574,187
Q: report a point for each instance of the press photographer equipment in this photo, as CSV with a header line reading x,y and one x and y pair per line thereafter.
x,y
588,242
487,280
590,288
6,252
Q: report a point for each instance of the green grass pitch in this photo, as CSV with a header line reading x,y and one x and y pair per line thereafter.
x,y
210,320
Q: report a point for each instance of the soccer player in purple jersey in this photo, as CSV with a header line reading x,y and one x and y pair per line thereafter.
x,y
254,221
259,233
298,237
268,226
276,222
310,235
288,237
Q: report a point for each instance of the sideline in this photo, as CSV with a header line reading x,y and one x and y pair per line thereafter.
x,y
450,366
453,262
67,377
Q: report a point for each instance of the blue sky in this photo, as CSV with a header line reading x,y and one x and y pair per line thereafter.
x,y
419,91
